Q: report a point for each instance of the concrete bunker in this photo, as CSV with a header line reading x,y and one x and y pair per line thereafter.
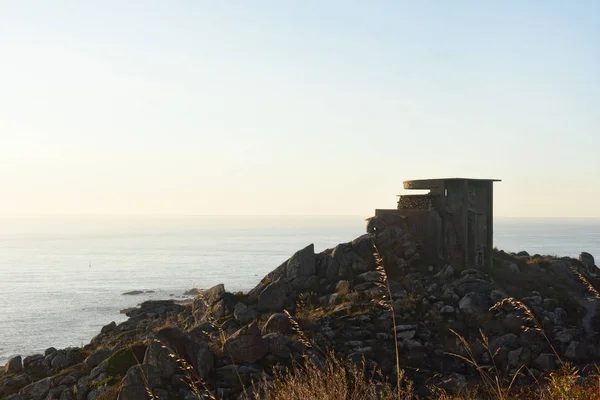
x,y
454,222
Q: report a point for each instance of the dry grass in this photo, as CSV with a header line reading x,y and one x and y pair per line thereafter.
x,y
493,383
333,380
541,259
530,322
386,302
588,285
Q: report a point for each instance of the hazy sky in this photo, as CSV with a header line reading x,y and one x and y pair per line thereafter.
x,y
295,107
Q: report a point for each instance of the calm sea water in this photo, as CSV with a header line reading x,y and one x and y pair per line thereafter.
x,y
61,280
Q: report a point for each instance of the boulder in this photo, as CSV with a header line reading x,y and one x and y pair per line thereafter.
x,y
587,260
559,316
342,288
14,365
60,360
278,345
301,266
274,296
67,394
580,352
108,328
210,303
37,390
236,376
246,345
188,347
370,276
154,309
244,314
203,360
363,246
545,362
162,358
33,360
474,304
277,323
519,357
49,350
137,380
445,273
94,359
81,388
560,268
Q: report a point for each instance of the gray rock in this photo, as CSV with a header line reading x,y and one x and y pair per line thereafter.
x,y
55,393
49,350
497,295
587,260
99,372
564,336
406,335
235,376
278,345
445,273
302,263
545,362
559,316
450,295
140,374
137,379
504,343
203,360
60,359
402,328
244,314
246,345
342,288
33,360
274,296
511,267
370,276
94,359
14,365
277,323
447,310
68,380
209,302
580,352
37,390
560,268
519,357
473,304
96,392
533,301
67,394
160,357
108,328
81,388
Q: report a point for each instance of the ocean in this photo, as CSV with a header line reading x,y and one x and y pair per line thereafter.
x,y
62,279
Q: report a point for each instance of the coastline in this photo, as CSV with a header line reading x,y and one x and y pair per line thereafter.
x,y
223,332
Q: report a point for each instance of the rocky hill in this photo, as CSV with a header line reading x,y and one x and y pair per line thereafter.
x,y
337,301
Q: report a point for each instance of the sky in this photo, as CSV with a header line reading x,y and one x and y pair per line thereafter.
x,y
295,107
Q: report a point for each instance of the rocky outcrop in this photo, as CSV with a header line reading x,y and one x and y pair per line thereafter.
x,y
246,345
587,260
335,301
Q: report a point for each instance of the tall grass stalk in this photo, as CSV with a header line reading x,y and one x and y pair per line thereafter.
x,y
386,302
526,316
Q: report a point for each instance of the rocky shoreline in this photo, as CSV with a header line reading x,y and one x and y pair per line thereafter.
x,y
315,303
